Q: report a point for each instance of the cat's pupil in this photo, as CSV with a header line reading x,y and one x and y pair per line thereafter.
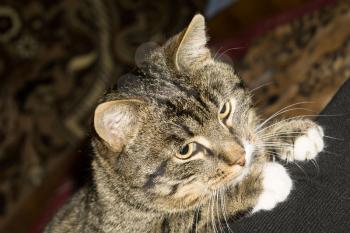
x,y
184,150
223,109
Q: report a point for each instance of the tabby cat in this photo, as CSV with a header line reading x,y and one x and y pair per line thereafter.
x,y
179,148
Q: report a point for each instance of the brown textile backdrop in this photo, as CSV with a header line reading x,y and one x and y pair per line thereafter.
x,y
305,60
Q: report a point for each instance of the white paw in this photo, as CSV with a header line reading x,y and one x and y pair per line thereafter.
x,y
309,145
276,187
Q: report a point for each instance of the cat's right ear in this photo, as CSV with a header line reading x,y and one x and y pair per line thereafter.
x,y
188,50
116,121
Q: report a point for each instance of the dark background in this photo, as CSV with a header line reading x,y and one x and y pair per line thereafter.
x,y
58,57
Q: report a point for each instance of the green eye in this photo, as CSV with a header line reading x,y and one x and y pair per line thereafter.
x,y
225,110
186,151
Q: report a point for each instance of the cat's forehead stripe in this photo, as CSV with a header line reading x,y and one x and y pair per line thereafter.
x,y
180,110
189,95
190,92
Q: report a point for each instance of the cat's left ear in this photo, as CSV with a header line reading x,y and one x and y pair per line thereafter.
x,y
117,121
189,47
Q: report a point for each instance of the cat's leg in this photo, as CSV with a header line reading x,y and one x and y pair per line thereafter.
x,y
229,201
276,186
267,185
294,139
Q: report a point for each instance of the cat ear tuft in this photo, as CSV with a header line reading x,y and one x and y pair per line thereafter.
x,y
192,50
116,121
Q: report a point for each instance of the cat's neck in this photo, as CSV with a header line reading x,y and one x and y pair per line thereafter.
x,y
120,216
119,211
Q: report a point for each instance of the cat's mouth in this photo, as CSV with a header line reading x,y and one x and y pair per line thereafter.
x,y
249,151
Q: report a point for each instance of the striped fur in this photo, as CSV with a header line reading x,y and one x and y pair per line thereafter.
x,y
143,187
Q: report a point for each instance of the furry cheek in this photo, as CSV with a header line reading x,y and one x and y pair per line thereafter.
x,y
190,194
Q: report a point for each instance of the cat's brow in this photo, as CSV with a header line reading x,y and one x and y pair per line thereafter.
x,y
214,100
187,129
174,137
180,111
196,96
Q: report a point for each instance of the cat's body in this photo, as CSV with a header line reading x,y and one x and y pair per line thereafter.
x,y
115,213
179,148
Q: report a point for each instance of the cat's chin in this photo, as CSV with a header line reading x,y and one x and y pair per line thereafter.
x,y
245,170
242,175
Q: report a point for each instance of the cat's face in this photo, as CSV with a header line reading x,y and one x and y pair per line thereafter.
x,y
182,130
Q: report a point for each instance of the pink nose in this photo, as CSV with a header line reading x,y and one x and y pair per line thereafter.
x,y
241,161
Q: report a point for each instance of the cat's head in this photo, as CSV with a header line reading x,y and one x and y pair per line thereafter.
x,y
180,129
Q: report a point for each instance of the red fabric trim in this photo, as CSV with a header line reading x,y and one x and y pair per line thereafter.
x,y
63,193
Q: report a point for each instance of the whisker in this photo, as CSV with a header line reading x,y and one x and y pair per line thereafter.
x,y
229,49
292,161
340,139
305,173
283,145
284,132
271,147
223,202
314,162
276,137
208,211
261,86
282,121
207,218
279,113
217,52
197,212
217,210
212,214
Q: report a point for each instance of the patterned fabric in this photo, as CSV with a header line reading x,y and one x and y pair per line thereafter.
x,y
305,60
57,58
